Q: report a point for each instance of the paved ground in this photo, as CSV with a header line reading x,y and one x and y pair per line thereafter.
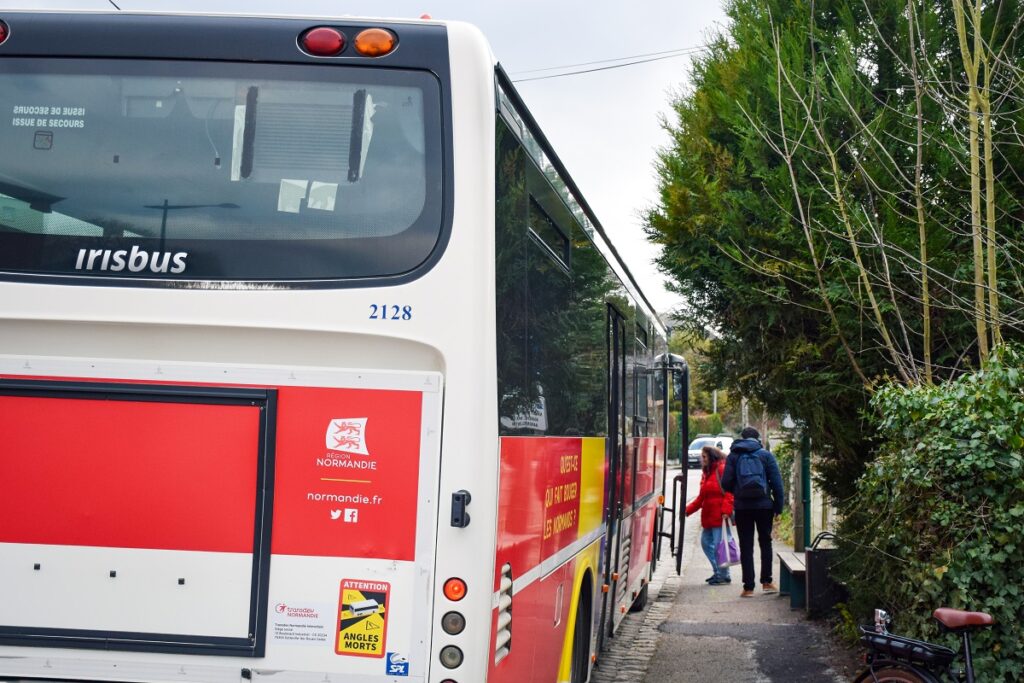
x,y
700,633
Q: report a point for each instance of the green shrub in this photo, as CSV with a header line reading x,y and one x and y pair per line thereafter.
x,y
938,518
782,530
845,625
785,453
705,424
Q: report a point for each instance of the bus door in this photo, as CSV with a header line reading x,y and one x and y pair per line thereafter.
x,y
616,328
674,376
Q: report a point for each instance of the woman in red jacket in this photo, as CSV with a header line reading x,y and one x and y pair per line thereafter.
x,y
714,504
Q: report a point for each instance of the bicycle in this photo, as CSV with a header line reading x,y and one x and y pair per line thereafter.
x,y
895,659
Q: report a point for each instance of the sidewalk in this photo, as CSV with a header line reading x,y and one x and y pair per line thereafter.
x,y
709,634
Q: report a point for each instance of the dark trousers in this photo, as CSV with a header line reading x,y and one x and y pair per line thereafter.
x,y
746,521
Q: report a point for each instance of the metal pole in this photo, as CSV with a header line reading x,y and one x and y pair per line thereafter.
x,y
684,419
805,484
798,510
684,431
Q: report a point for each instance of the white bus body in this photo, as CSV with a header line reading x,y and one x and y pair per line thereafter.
x,y
201,465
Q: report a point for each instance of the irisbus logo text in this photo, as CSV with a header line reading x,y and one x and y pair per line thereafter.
x,y
134,260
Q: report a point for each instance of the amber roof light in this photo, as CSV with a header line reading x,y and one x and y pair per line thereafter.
x,y
375,42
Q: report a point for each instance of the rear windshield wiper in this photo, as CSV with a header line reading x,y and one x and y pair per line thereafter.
x,y
362,131
249,134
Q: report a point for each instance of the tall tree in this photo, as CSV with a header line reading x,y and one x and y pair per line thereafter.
x,y
812,203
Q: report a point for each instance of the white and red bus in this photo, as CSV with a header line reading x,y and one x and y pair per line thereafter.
x,y
314,364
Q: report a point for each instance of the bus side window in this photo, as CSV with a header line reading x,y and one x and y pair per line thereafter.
x,y
515,395
549,362
548,234
592,281
642,395
552,287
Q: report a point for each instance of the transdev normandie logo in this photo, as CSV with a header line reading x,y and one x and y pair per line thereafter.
x,y
348,435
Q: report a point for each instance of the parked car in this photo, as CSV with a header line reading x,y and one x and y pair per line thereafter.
x,y
722,442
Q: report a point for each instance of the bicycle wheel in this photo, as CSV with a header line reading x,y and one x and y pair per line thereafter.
x,y
892,675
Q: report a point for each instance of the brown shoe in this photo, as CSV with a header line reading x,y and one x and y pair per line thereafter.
x,y
769,588
747,594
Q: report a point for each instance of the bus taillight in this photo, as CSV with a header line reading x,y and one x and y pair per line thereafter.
x,y
4,32
451,657
454,589
323,42
453,623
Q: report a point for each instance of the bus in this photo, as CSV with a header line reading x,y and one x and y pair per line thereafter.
x,y
315,365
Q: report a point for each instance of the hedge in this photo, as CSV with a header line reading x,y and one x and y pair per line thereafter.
x,y
938,519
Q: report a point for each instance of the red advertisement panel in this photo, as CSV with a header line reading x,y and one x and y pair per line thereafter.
x,y
539,498
128,474
347,472
562,497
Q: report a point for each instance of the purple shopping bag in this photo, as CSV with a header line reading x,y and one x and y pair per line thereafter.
x,y
727,553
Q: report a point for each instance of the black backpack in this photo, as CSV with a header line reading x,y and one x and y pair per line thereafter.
x,y
751,476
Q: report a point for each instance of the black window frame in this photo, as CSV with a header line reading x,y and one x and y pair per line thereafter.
x,y
244,40
538,233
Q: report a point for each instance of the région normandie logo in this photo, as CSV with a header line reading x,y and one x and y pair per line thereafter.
x,y
348,435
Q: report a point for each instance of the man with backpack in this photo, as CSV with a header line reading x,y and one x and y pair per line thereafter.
x,y
752,476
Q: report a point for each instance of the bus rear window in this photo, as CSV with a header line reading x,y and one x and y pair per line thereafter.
x,y
151,169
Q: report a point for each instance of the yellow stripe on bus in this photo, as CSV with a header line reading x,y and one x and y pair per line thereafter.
x,y
591,484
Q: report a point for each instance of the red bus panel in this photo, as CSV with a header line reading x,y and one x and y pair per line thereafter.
x,y
128,474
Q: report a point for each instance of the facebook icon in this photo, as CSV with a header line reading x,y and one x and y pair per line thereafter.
x,y
351,515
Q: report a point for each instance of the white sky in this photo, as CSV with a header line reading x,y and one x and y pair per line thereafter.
x,y
604,125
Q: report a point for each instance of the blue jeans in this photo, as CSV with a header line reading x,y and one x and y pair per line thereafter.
x,y
709,539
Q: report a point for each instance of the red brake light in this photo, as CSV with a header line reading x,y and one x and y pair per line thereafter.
x,y
323,42
4,32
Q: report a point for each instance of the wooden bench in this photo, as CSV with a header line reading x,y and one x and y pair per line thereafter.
x,y
792,573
